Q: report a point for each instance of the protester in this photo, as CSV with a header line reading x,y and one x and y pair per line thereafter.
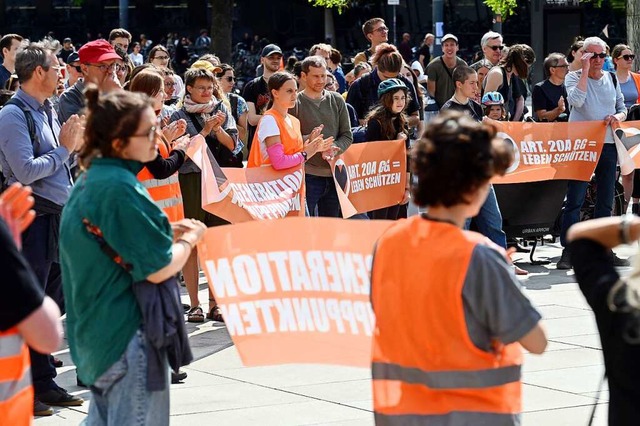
x,y
100,64
440,71
376,33
426,50
629,81
123,71
593,96
203,42
387,122
74,70
493,104
169,86
67,49
206,114
27,315
466,81
9,47
239,109
576,50
334,64
501,78
316,107
256,92
467,368
549,97
135,55
122,237
491,44
405,48
44,164
120,37
278,142
363,93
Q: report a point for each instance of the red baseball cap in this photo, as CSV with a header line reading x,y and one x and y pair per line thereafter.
x,y
97,51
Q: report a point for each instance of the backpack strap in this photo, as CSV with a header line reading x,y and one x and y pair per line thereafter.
x,y
614,78
31,124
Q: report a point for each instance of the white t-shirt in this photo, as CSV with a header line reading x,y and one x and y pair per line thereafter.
x,y
136,58
268,127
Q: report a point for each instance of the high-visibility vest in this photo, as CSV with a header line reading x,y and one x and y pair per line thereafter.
x,y
165,192
424,364
16,393
636,79
290,137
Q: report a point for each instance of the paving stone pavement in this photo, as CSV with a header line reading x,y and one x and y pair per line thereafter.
x,y
560,386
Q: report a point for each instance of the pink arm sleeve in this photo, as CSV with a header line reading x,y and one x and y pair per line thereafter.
x,y
280,160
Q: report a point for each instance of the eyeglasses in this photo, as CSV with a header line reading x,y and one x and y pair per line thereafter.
x,y
598,55
629,57
204,88
151,134
161,58
229,79
560,66
104,67
169,83
494,48
382,29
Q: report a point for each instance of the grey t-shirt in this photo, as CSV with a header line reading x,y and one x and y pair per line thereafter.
x,y
494,305
438,72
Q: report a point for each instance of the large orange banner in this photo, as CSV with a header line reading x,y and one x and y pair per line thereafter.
x,y
295,290
545,151
370,176
629,134
240,195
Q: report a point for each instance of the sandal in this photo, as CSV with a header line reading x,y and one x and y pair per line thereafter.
x,y
215,314
195,314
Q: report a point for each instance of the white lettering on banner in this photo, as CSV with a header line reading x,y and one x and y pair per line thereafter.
x,y
290,271
538,147
298,315
375,181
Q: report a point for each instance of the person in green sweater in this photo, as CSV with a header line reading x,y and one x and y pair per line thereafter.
x,y
319,107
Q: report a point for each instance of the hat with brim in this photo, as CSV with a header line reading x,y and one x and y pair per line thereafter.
x,y
206,65
73,57
97,51
449,37
270,49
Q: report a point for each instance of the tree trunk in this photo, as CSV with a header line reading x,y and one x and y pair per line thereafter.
x,y
633,29
221,25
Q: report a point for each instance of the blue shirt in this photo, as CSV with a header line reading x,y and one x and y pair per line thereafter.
x,y
43,164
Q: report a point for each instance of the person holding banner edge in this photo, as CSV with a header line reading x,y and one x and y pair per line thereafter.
x,y
593,95
467,368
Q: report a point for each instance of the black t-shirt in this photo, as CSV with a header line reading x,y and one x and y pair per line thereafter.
x,y
596,275
472,108
21,294
545,95
424,51
256,91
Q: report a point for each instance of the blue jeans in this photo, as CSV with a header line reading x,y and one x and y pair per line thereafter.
x,y
120,395
605,183
322,198
489,220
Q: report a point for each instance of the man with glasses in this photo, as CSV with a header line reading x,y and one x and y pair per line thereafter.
x,y
549,97
377,33
99,63
594,95
440,85
491,44
40,158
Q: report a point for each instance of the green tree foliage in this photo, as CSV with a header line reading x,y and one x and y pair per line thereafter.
x,y
507,7
338,4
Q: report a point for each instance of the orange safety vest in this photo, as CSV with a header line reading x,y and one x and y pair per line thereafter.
x,y
16,393
424,364
636,79
165,192
290,137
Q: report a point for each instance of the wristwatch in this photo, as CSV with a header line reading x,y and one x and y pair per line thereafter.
x,y
304,155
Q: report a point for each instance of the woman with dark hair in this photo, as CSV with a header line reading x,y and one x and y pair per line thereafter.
x,y
278,141
135,55
159,56
206,114
113,235
501,78
575,53
456,285
239,109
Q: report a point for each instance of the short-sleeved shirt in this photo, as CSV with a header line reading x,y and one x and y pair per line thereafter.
x,y
472,108
21,293
545,95
102,311
442,75
426,52
256,91
630,92
596,276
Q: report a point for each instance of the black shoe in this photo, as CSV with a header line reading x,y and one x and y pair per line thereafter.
x,y
57,362
178,377
59,397
619,262
565,260
41,409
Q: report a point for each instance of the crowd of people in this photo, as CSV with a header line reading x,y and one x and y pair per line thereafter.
x,y
100,136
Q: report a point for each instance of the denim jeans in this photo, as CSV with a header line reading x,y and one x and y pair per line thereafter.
x,y
322,198
489,220
120,395
605,183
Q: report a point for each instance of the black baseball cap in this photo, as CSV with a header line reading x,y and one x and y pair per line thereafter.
x,y
270,49
73,57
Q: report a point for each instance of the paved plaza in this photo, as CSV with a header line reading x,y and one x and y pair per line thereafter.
x,y
560,387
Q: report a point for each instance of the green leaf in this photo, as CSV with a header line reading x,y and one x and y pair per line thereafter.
x,y
502,7
338,4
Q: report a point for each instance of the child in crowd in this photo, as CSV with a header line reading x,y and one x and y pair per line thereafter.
x,y
493,104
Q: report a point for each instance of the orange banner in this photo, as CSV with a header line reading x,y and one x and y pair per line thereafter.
x,y
370,176
629,134
240,195
295,290
545,151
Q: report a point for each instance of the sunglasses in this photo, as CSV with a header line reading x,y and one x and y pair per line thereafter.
x,y
494,48
599,55
628,57
229,79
